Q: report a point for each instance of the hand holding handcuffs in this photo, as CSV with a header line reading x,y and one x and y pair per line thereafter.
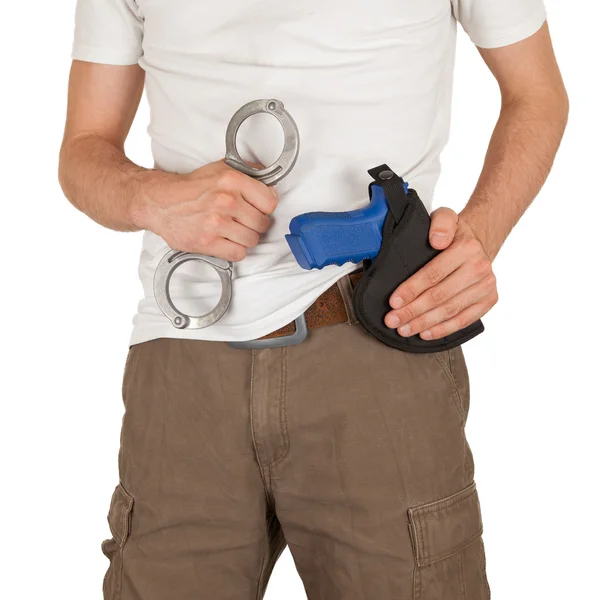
x,y
269,176
391,234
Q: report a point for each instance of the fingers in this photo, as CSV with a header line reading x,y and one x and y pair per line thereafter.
x,y
430,275
216,210
444,223
439,299
445,291
460,321
254,192
232,205
251,217
228,238
450,316
239,234
228,250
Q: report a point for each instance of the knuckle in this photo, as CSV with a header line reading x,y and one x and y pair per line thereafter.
x,y
483,266
253,239
450,310
229,178
408,294
490,280
433,275
406,314
438,295
225,201
214,221
420,324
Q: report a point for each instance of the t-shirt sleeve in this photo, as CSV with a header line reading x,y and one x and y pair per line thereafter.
x,y
496,23
108,31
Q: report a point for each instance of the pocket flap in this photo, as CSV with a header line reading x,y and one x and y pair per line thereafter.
x,y
119,515
445,527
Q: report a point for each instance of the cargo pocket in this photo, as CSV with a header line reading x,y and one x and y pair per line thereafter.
x,y
119,521
448,549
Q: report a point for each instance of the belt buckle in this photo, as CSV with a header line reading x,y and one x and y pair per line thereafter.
x,y
280,342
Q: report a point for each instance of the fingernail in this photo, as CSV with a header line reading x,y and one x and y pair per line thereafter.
x,y
438,239
426,335
393,322
405,330
396,302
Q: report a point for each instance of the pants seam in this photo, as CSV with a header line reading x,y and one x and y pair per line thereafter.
x,y
120,594
282,410
461,576
416,583
253,432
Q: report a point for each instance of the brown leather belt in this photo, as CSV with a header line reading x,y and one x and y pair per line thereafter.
x,y
328,309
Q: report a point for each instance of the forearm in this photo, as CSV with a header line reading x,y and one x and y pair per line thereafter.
x,y
518,161
103,183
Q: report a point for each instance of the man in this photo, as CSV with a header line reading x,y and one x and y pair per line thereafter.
x,y
350,452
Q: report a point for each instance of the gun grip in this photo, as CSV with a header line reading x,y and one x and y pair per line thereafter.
x,y
319,239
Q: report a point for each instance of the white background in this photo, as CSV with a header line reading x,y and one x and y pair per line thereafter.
x,y
69,290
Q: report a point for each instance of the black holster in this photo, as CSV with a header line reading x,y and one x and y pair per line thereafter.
x,y
405,249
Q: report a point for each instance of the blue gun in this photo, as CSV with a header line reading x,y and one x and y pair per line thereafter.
x,y
319,239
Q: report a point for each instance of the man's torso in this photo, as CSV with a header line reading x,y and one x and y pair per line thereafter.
x,y
367,83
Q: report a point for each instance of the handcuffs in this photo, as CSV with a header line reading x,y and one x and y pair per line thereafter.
x,y
268,175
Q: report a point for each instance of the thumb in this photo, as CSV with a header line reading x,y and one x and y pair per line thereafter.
x,y
444,222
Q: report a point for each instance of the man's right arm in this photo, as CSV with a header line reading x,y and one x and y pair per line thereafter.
x,y
94,172
213,210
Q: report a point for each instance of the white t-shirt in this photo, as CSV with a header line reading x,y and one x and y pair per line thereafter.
x,y
366,82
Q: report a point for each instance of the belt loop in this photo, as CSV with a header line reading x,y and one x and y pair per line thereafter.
x,y
345,286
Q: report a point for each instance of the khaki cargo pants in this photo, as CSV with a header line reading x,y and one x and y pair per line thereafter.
x,y
348,451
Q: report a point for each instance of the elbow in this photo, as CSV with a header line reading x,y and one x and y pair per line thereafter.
x,y
62,176
563,107
549,103
64,173
556,112
558,105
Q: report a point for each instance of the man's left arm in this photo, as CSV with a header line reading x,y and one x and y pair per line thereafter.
x,y
458,286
